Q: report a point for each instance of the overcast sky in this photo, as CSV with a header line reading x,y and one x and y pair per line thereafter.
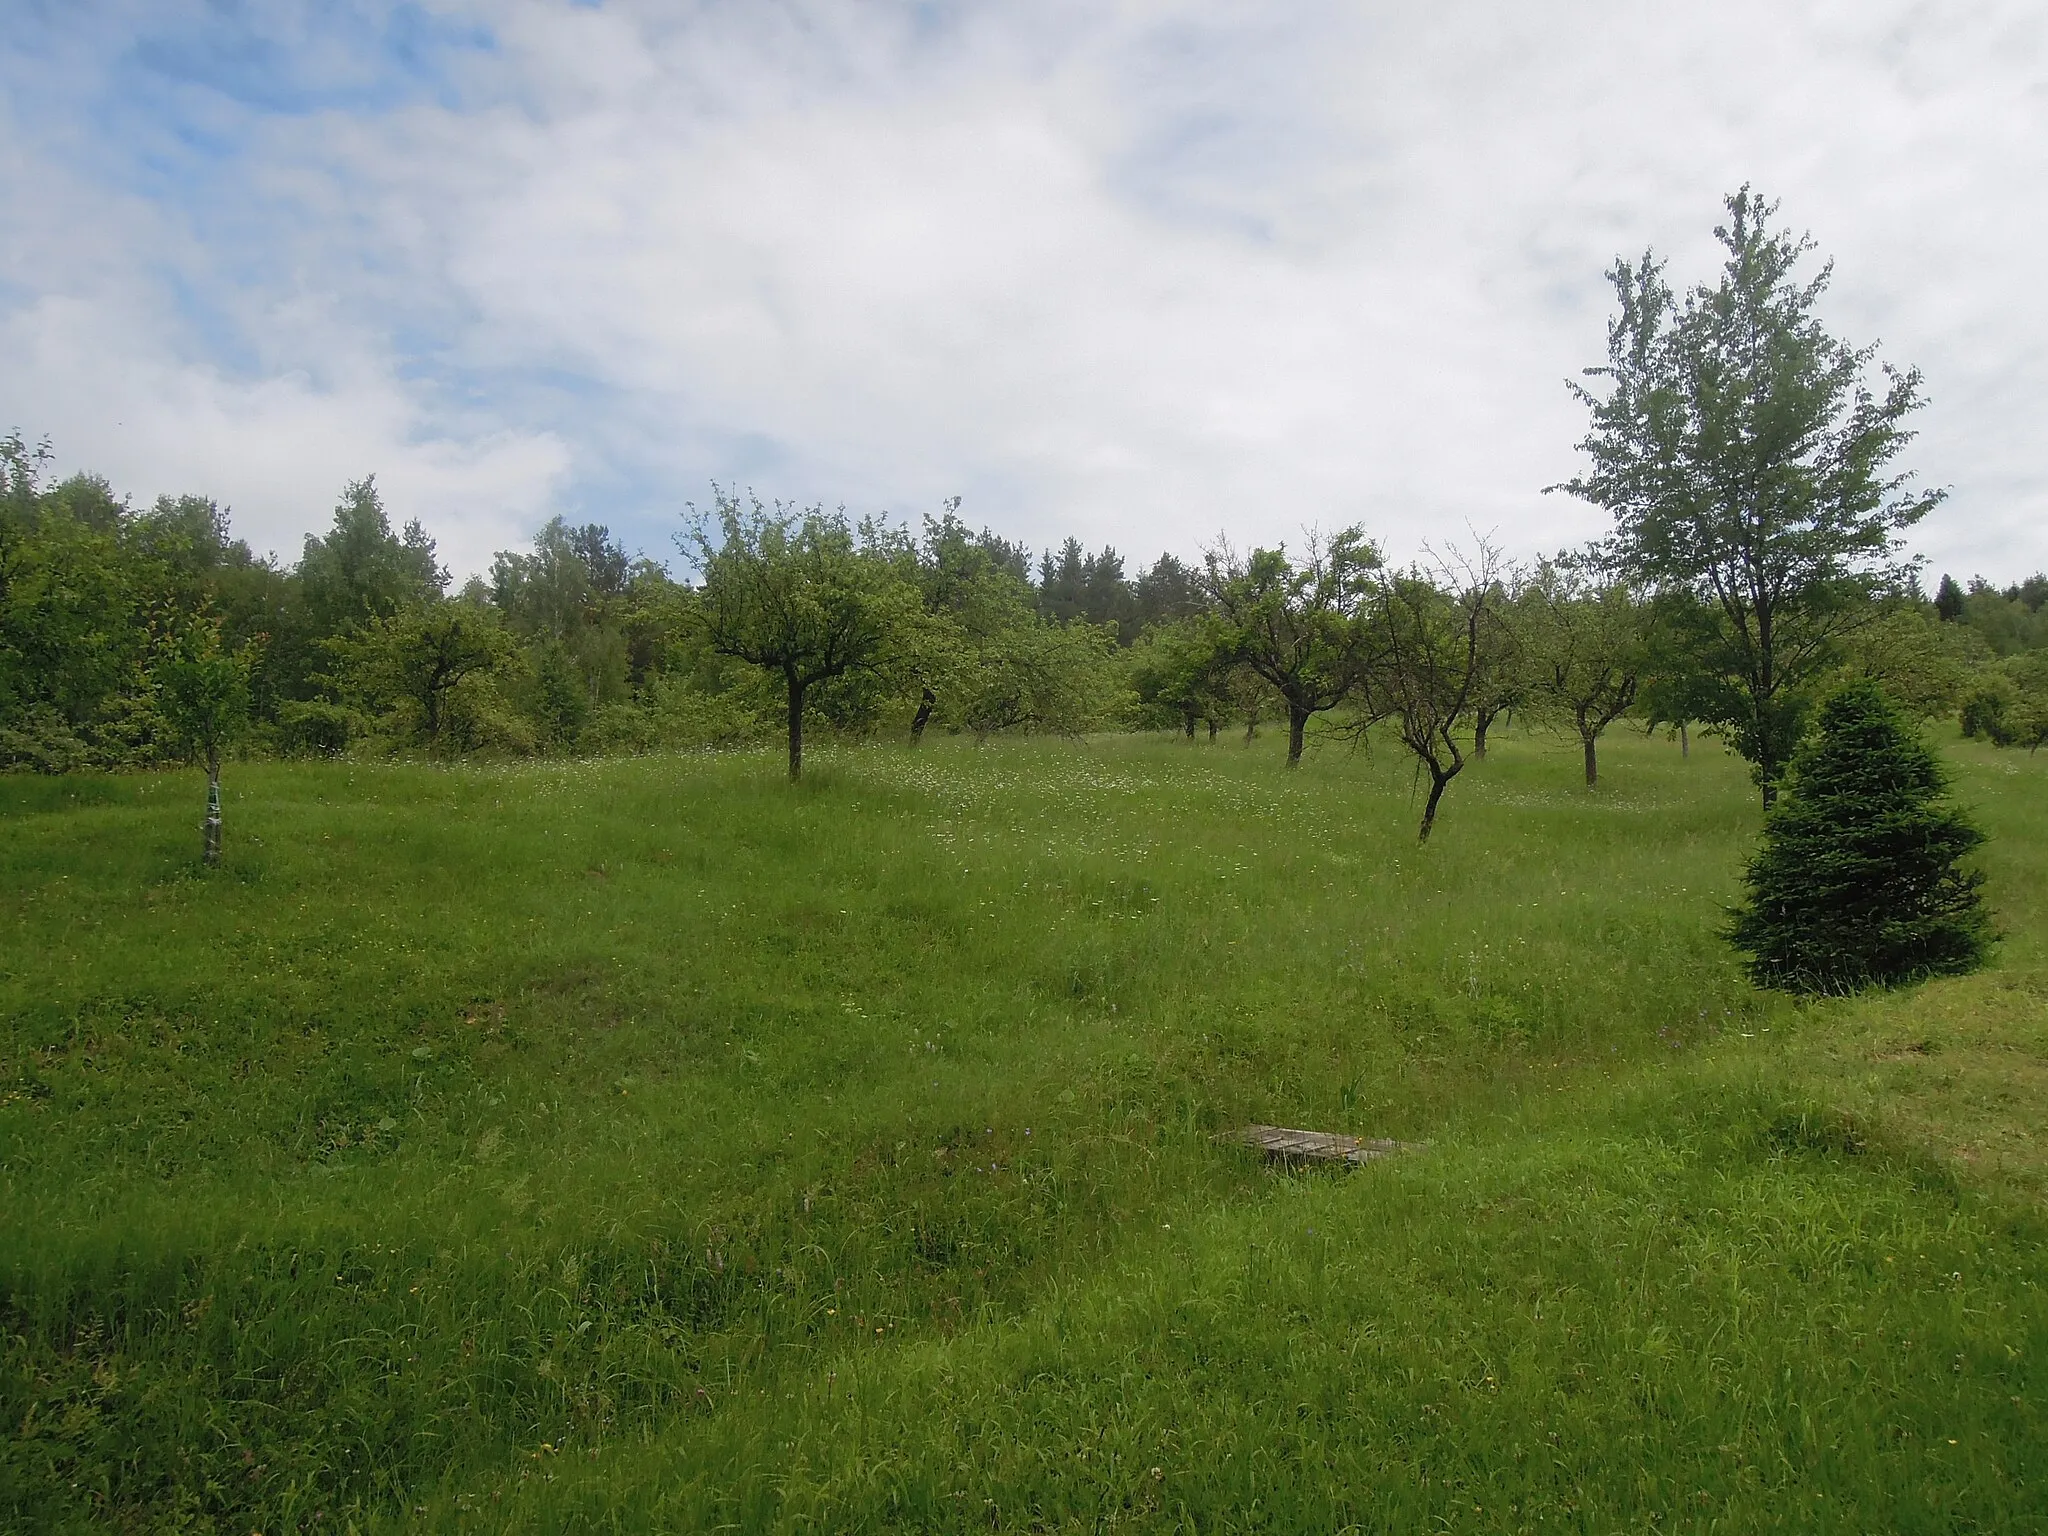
x,y
1137,273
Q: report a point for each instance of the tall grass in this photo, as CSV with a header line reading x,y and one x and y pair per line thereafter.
x,y
651,1144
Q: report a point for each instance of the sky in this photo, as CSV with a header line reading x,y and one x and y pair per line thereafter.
x,y
1145,274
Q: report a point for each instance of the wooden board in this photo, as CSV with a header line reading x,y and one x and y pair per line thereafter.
x,y
1278,1141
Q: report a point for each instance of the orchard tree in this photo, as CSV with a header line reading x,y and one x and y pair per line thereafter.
x,y
1746,456
1501,688
1295,624
1041,677
421,654
1587,648
71,635
971,596
1922,664
1249,696
202,692
1430,645
802,595
1180,671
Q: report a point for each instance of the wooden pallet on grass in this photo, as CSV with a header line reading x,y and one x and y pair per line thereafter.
x,y
1286,1145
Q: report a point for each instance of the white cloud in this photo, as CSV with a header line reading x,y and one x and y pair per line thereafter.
x,y
1135,273
276,449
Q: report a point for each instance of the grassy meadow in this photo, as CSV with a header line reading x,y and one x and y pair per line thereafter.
x,y
653,1145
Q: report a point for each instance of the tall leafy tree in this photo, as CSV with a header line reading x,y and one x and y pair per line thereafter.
x,y
1295,622
1171,589
569,600
1746,455
804,596
2007,703
360,570
2008,622
1092,588
1922,664
72,639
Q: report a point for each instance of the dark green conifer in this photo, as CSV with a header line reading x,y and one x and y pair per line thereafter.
x,y
1857,882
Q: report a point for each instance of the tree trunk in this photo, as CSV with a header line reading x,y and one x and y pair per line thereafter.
x,y
1187,720
1212,729
1684,741
1251,729
796,730
1438,782
1297,725
923,717
210,850
1592,761
1480,723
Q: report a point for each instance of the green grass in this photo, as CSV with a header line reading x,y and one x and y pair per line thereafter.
x,y
651,1145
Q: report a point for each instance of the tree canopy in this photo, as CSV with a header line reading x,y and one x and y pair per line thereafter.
x,y
803,595
1294,622
1746,455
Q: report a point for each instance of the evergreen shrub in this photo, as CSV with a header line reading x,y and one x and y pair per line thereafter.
x,y
1857,883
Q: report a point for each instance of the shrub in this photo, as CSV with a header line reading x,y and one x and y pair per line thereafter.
x,y
2009,705
1857,882
315,727
672,715
1983,714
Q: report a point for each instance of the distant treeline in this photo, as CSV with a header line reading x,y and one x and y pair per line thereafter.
x,y
573,645
577,646
1744,454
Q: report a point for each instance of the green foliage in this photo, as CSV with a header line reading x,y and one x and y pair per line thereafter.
x,y
1040,678
1584,650
2007,704
203,693
426,668
2011,621
673,714
1858,881
1296,624
1431,648
1182,672
1746,459
316,727
977,612
71,644
803,596
360,571
575,647
573,601
1948,600
1922,664
1077,587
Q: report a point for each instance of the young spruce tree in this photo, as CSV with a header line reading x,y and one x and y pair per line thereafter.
x,y
1857,881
